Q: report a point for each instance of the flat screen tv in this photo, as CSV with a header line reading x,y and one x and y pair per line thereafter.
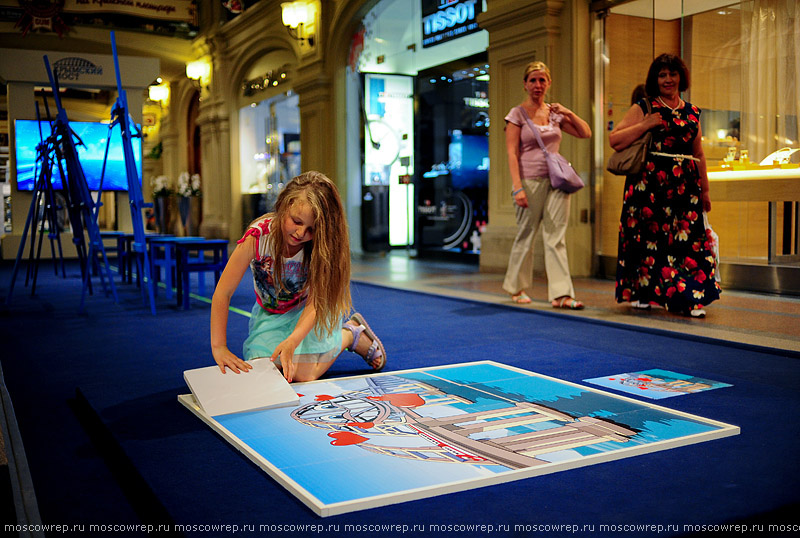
x,y
91,154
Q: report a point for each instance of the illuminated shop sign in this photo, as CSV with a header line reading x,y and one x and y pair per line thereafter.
x,y
476,102
445,20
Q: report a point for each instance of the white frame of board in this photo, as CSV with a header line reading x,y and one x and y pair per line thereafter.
x,y
322,509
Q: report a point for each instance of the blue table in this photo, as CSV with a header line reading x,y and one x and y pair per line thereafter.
x,y
191,258
121,249
163,255
132,253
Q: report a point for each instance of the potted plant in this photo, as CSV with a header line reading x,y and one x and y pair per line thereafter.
x,y
189,201
162,189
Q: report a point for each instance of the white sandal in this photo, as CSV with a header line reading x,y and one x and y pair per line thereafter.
x,y
376,354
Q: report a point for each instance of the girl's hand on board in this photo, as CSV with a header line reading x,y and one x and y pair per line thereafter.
x,y
225,359
285,351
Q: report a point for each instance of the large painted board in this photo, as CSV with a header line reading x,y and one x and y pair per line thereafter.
x,y
432,431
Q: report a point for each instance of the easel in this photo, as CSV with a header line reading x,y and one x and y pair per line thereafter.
x,y
81,206
43,195
121,117
46,194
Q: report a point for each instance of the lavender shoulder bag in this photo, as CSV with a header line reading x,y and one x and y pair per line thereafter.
x,y
562,175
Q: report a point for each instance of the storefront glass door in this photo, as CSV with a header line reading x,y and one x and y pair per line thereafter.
x,y
389,155
269,151
453,156
399,40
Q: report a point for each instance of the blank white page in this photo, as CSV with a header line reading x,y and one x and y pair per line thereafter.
x,y
220,394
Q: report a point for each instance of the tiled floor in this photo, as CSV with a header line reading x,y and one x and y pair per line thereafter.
x,y
751,318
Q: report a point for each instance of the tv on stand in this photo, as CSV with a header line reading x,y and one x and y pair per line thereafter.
x,y
91,153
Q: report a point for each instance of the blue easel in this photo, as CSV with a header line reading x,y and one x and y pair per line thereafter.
x,y
81,207
121,117
42,196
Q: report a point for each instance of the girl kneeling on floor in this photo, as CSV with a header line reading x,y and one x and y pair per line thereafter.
x,y
300,259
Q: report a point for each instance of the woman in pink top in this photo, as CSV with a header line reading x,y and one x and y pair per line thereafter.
x,y
536,201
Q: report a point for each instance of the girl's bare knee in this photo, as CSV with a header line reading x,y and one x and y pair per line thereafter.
x,y
305,376
310,371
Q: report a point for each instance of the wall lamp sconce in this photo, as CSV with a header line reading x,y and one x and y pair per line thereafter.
x,y
159,93
297,15
199,71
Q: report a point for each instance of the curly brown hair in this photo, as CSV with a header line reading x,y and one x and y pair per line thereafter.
x,y
671,62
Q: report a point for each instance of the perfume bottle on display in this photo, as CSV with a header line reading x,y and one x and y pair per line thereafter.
x,y
744,158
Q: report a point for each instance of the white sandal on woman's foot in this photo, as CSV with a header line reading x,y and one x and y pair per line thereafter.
x,y
567,302
375,356
521,298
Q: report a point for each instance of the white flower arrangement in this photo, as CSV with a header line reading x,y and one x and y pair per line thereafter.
x,y
189,185
161,186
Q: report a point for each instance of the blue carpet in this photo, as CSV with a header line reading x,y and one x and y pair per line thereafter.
x,y
127,365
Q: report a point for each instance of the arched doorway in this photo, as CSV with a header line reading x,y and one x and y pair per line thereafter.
x,y
193,146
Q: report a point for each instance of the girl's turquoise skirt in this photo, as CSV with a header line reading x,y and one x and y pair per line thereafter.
x,y
267,330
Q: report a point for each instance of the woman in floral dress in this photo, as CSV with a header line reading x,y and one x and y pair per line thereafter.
x,y
665,255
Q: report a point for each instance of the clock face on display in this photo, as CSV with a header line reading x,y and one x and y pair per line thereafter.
x,y
387,141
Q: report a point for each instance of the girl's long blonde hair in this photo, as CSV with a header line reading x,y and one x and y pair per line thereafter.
x,y
327,256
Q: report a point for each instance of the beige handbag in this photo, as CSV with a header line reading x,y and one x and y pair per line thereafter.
x,y
630,161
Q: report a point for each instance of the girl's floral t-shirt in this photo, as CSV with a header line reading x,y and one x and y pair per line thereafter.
x,y
271,297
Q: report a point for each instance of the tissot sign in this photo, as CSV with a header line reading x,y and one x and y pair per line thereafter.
x,y
443,20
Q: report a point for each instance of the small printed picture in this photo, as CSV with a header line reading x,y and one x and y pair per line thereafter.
x,y
656,384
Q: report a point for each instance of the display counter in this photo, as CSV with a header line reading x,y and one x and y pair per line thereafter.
x,y
754,213
754,183
779,186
